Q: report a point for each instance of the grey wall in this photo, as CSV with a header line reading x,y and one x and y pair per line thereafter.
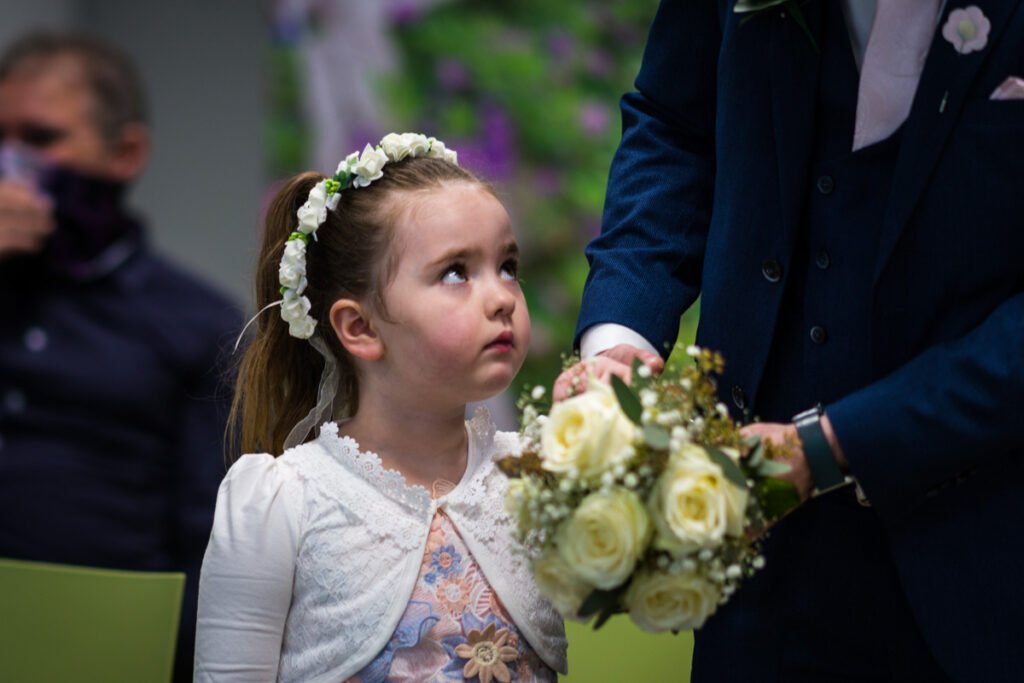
x,y
204,63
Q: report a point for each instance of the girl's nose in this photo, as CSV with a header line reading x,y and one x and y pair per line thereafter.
x,y
500,299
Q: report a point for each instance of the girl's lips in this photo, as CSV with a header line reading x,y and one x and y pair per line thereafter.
x,y
503,342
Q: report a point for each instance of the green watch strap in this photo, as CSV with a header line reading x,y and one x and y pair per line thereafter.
x,y
817,450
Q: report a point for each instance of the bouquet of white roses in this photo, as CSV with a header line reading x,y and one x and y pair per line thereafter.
x,y
639,498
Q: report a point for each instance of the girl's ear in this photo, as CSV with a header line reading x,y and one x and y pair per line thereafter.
x,y
354,330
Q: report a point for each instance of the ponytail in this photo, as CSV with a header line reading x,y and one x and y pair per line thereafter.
x,y
275,387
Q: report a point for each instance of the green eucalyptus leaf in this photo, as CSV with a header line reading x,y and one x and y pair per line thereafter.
x,y
730,469
627,399
777,497
772,468
755,457
656,437
606,614
599,601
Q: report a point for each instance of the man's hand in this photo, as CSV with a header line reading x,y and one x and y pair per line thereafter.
x,y
26,218
617,360
787,443
785,438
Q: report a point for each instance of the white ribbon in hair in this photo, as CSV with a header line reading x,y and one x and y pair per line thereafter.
x,y
324,408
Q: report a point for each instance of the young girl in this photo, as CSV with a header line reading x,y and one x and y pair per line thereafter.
x,y
379,550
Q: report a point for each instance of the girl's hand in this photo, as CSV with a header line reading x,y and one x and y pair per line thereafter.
x,y
617,360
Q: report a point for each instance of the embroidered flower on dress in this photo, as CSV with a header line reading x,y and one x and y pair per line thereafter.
x,y
444,561
967,29
453,594
487,654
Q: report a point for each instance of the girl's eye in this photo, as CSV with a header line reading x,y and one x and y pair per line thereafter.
x,y
510,270
454,275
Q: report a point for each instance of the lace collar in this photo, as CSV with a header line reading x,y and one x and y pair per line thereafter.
x,y
368,466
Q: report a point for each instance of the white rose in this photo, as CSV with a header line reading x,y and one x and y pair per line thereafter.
x,y
588,432
348,163
451,156
294,311
292,277
694,505
394,146
318,195
416,143
604,537
437,149
658,601
302,329
370,166
309,218
557,583
313,212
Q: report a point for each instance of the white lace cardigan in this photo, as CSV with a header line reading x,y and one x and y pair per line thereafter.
x,y
314,554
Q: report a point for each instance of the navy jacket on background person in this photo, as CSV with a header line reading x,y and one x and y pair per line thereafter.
x,y
112,411
887,284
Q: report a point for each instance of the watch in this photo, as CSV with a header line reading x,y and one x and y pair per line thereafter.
x,y
818,452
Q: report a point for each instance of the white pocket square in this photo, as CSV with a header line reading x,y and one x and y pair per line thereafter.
x,y
1010,89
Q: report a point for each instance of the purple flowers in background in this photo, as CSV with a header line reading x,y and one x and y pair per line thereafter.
x,y
452,75
548,181
404,12
560,44
493,154
594,118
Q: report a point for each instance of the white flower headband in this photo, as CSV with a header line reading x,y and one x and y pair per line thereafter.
x,y
357,170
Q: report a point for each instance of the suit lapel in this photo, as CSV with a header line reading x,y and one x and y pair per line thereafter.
x,y
794,84
944,83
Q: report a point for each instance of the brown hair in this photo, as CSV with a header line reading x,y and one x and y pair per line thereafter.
x,y
351,257
110,75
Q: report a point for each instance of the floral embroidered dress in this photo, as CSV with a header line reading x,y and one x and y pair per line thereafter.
x,y
455,627
323,566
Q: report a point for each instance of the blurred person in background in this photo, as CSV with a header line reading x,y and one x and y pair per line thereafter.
x,y
112,405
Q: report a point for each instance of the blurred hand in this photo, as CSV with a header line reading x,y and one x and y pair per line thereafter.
x,y
26,218
785,438
617,360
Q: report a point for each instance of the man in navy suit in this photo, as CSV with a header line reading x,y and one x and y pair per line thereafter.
x,y
873,289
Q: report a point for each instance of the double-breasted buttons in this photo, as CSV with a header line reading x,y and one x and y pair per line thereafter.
x,y
772,270
826,184
818,334
822,259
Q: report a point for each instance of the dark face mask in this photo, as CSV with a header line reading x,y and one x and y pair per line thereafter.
x,y
93,232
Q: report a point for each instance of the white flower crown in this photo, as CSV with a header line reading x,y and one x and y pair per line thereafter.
x,y
357,170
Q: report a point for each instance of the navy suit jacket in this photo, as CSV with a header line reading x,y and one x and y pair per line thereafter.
x,y
709,180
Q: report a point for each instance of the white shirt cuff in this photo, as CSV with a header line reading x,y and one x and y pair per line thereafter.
x,y
604,336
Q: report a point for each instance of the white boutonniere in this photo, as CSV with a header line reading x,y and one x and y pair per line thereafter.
x,y
967,29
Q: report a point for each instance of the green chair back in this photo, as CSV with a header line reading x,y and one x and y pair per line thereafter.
x,y
621,653
65,623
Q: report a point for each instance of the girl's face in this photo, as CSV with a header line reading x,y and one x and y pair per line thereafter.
x,y
456,328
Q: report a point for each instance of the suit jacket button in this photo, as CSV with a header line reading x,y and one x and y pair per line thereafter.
x,y
826,184
818,334
772,270
739,399
822,259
